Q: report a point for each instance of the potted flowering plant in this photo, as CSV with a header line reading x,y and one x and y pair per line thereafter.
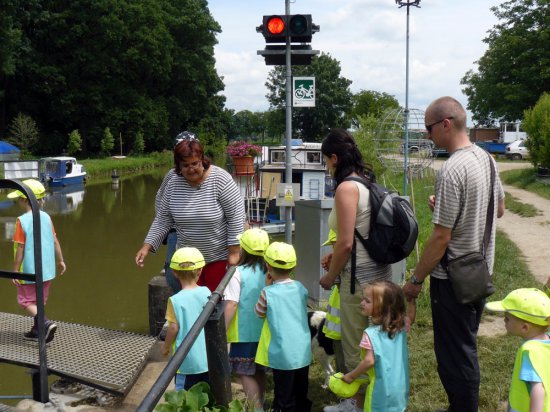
x,y
241,148
243,154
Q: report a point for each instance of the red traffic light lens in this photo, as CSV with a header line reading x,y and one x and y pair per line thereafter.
x,y
275,25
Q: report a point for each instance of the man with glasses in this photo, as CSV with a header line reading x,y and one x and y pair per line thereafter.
x,y
460,204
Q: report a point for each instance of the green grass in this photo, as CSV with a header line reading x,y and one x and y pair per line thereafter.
x,y
99,168
526,179
514,205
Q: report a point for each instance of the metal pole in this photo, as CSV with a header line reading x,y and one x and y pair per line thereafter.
x,y
155,393
288,118
406,119
406,151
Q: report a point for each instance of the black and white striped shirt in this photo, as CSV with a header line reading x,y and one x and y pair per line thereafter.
x,y
461,201
208,217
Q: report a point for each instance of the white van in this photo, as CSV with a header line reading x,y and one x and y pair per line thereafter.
x,y
517,150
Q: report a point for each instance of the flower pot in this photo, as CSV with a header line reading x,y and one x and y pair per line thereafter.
x,y
244,165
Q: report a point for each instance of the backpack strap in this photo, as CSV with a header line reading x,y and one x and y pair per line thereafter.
x,y
358,235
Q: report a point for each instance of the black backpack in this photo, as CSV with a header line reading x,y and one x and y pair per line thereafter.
x,y
393,226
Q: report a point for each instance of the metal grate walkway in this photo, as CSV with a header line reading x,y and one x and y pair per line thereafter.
x,y
107,359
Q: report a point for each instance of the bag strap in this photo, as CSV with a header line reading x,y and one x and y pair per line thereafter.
x,y
489,218
354,248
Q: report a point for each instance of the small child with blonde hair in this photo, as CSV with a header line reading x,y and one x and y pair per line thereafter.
x,y
183,310
384,349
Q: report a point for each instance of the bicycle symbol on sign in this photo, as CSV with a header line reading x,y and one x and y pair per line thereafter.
x,y
303,93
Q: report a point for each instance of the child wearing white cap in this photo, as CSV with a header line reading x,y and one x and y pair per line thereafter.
x,y
527,314
181,313
23,239
243,326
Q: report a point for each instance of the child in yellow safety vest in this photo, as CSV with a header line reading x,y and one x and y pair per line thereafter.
x,y
242,324
527,314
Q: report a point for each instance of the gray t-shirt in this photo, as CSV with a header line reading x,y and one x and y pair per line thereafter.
x,y
462,198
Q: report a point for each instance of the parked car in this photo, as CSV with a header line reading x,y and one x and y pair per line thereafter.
x,y
517,150
418,145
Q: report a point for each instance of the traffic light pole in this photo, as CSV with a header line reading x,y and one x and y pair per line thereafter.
x,y
288,118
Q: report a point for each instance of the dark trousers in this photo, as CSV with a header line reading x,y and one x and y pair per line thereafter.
x,y
291,390
455,330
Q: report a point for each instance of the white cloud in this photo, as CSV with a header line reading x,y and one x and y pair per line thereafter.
x,y
368,38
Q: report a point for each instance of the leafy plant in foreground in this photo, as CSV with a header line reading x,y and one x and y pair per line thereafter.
x,y
197,399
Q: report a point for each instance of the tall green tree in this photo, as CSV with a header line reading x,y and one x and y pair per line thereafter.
x,y
537,125
332,99
108,142
371,103
23,132
74,143
515,69
144,65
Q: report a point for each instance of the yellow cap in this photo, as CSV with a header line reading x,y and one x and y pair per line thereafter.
x,y
37,188
331,238
254,241
187,258
530,304
343,389
280,255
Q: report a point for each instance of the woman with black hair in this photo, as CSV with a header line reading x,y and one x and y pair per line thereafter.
x,y
351,211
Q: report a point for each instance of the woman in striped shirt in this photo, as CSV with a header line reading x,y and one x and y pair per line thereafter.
x,y
205,206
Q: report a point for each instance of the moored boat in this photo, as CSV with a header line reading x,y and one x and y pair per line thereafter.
x,y
61,171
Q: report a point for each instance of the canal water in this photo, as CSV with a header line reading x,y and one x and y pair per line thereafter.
x,y
100,229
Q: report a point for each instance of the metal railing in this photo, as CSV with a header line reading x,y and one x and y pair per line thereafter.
x,y
40,376
216,347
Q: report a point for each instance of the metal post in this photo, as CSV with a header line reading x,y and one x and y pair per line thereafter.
x,y
218,359
406,120
288,118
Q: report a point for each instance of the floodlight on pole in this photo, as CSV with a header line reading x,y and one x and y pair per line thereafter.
x,y
408,4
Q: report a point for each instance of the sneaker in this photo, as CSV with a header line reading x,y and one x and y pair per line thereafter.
x,y
345,405
31,335
50,330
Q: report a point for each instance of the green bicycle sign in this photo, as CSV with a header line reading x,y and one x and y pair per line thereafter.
x,y
303,91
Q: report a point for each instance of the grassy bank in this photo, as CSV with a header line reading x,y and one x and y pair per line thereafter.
x,y
100,168
526,179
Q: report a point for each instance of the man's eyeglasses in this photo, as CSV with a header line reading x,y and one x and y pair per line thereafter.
x,y
429,126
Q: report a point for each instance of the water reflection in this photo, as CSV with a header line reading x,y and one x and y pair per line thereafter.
x,y
100,229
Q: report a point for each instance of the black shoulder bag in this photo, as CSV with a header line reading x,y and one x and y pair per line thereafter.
x,y
469,274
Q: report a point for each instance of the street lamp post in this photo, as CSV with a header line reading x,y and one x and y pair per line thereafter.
x,y
408,4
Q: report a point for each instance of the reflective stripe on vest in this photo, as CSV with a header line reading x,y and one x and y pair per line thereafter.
x,y
539,355
332,328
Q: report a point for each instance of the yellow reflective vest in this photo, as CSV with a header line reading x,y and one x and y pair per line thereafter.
x,y
332,328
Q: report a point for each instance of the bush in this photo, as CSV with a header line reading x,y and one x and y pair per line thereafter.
x,y
139,143
108,142
197,398
23,132
74,144
536,123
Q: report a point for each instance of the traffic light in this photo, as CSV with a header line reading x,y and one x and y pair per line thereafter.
x,y
276,28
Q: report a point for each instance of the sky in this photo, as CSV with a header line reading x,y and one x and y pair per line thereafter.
x,y
368,38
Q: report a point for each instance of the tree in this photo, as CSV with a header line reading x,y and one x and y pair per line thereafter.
x,y
74,144
139,143
513,72
332,100
108,142
536,123
371,103
23,132
137,66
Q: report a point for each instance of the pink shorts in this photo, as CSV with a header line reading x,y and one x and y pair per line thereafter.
x,y
26,294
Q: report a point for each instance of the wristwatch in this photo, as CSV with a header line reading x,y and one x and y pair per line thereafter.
x,y
414,280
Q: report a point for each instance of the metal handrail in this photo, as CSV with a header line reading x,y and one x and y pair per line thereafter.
x,y
40,382
155,393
